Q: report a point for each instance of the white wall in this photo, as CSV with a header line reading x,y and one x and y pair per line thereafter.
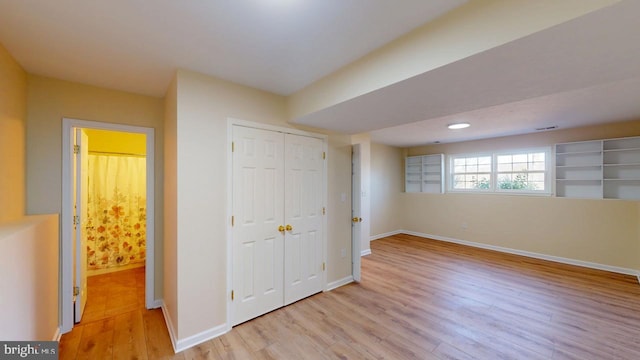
x,y
29,279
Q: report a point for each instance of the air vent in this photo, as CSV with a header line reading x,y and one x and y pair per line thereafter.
x,y
547,128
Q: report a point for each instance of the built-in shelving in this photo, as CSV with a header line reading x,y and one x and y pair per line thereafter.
x,y
598,169
424,173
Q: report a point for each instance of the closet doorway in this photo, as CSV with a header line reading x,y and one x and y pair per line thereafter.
x,y
278,207
108,174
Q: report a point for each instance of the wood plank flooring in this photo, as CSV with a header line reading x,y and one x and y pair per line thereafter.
x,y
418,299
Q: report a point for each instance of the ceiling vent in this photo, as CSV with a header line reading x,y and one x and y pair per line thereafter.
x,y
547,128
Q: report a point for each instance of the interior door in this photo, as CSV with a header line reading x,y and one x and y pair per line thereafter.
x,y
303,241
258,210
355,212
81,187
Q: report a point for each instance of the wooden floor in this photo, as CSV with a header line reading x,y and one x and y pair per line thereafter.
x,y
418,299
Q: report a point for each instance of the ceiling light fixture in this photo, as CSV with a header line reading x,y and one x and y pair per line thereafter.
x,y
458,126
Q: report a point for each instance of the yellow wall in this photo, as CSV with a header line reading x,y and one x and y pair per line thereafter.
x,y
13,114
386,183
474,27
599,231
198,146
116,142
49,100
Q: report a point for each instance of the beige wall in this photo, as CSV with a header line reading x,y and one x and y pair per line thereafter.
x,y
49,100
474,27
600,231
201,148
29,279
386,185
339,211
13,114
170,294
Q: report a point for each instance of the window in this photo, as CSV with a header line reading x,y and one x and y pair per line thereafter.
x,y
521,171
472,173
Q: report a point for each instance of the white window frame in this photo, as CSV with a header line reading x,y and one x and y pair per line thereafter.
x,y
493,187
451,174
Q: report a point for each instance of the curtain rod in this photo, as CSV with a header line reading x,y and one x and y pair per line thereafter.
x,y
115,153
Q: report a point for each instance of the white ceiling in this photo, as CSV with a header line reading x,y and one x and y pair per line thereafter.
x,y
582,72
275,45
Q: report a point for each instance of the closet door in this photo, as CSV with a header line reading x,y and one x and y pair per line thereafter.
x,y
303,242
258,209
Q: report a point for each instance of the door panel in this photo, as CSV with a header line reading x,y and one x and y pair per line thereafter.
x,y
258,209
304,253
355,212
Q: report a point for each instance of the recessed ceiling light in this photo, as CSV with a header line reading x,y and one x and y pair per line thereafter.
x,y
457,126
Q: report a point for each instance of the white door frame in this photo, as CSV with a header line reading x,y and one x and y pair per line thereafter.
x,y
66,246
231,122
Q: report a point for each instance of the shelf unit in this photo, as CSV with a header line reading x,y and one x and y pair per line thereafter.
x,y
424,173
599,169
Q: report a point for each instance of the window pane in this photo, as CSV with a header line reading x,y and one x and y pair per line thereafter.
x,y
459,162
504,159
519,158
519,166
484,160
505,167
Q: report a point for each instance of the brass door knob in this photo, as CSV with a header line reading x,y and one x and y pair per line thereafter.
x,y
355,219
281,228
289,227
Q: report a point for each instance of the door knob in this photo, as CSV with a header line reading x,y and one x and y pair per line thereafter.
x,y
289,227
356,219
281,228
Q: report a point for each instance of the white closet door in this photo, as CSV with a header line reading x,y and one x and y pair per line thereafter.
x,y
303,248
258,209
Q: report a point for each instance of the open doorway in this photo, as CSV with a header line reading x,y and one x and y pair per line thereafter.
x,y
108,177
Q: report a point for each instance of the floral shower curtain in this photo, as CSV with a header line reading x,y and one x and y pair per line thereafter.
x,y
116,220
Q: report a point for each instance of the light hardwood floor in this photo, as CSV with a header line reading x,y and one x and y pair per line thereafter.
x,y
418,299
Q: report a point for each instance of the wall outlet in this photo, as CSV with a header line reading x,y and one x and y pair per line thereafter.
x,y
343,252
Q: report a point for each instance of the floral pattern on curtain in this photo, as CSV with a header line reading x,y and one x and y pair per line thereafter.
x,y
116,219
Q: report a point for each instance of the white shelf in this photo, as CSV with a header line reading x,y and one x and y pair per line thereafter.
x,y
424,173
599,169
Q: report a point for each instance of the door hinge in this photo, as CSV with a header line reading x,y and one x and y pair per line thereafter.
x,y
233,146
233,220
324,155
323,266
324,211
76,149
76,220
232,295
76,291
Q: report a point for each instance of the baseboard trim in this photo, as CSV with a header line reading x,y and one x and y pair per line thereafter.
x,y
167,321
183,344
534,255
57,335
380,236
638,277
201,337
336,284
365,252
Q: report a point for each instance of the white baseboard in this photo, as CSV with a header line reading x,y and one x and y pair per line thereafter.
x,y
183,344
336,284
57,335
557,259
365,252
167,320
380,236
201,337
638,277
